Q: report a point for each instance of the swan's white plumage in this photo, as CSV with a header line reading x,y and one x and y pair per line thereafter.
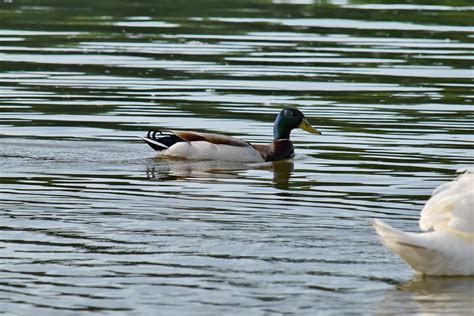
x,y
203,150
449,248
451,207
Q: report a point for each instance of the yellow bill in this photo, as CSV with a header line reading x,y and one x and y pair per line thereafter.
x,y
307,127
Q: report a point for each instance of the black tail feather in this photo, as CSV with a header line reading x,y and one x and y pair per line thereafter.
x,y
167,140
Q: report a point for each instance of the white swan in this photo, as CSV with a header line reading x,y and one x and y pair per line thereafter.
x,y
449,248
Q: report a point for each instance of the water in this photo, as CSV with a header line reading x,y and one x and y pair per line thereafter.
x,y
91,222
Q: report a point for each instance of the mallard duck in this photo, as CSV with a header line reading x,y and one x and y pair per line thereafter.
x,y
448,249
207,146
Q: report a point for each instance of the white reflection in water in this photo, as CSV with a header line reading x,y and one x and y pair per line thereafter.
x,y
151,24
430,296
351,24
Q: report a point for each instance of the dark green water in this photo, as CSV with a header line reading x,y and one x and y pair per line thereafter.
x,y
91,222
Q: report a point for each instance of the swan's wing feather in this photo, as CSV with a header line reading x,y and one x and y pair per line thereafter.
x,y
451,208
410,247
462,219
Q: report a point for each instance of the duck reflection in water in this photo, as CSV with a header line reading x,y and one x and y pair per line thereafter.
x,y
172,169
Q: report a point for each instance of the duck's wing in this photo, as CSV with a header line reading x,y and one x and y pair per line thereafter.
x,y
163,139
451,208
278,150
212,138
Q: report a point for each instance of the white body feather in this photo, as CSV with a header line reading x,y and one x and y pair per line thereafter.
x,y
449,248
202,150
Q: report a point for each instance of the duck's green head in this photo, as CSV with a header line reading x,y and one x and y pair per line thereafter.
x,y
287,120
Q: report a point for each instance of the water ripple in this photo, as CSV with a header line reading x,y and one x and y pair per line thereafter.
x,y
91,222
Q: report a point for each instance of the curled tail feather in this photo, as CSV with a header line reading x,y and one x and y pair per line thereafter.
x,y
162,141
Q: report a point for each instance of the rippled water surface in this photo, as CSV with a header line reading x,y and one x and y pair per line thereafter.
x,y
91,221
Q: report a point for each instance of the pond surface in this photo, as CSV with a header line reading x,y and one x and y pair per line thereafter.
x,y
91,221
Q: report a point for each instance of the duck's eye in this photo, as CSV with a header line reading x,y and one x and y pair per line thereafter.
x,y
292,114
